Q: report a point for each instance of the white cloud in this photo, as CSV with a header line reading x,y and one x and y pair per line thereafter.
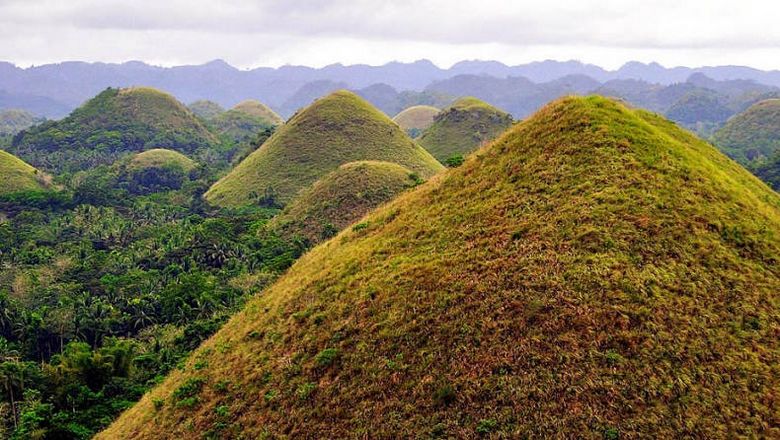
x,y
316,32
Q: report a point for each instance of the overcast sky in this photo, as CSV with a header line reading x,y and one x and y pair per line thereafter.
x,y
251,33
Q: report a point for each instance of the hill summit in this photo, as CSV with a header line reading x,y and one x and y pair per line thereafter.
x,y
753,134
462,127
595,272
260,110
334,130
112,124
415,119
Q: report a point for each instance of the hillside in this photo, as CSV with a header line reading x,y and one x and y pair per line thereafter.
x,y
19,176
155,170
161,158
416,119
752,134
114,123
334,130
341,198
769,171
243,122
206,109
14,121
462,127
595,272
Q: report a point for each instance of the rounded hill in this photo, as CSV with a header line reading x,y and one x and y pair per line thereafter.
x,y
155,170
753,134
114,123
595,272
334,130
463,127
243,122
259,110
19,176
206,109
341,198
417,118
161,158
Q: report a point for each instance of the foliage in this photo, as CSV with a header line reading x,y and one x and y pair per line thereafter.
x,y
18,176
753,134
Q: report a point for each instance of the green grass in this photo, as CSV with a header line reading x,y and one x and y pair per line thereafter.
x,y
161,158
205,109
416,118
463,127
341,198
334,130
18,176
753,134
259,110
115,123
595,272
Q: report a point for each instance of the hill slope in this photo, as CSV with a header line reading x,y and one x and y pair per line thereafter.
x,y
244,121
19,176
161,158
334,130
595,272
462,127
114,123
206,109
260,110
416,119
13,121
341,198
752,134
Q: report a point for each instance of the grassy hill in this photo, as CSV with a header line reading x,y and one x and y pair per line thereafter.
x,y
161,158
243,122
462,127
115,123
341,198
14,121
769,171
334,130
206,109
416,119
19,176
753,134
596,272
155,170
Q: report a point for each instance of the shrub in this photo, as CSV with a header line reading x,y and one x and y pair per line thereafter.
x,y
326,357
305,390
486,426
455,161
444,395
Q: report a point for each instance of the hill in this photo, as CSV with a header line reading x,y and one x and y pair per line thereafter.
x,y
462,127
14,121
416,119
243,122
342,198
595,272
334,130
19,176
752,134
161,158
206,109
155,170
115,123
769,171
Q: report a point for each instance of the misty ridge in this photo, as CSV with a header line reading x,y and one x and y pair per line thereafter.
x,y
53,90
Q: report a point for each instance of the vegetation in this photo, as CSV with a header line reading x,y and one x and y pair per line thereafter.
x,y
205,109
18,176
334,130
595,272
242,123
414,120
13,121
156,170
769,171
341,198
753,134
115,123
260,110
463,127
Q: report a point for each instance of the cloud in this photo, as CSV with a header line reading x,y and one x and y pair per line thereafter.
x,y
250,32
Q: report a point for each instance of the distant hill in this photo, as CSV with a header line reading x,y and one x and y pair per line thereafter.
x,y
155,170
13,121
415,119
596,272
335,130
753,134
114,123
243,122
19,176
206,109
463,127
769,171
341,198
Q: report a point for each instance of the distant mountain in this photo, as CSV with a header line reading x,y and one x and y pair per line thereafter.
x,y
54,89
752,135
13,121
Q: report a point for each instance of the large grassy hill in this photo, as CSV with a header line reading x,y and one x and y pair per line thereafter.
x,y
18,176
415,119
334,130
341,198
243,122
753,134
113,124
596,272
463,127
205,109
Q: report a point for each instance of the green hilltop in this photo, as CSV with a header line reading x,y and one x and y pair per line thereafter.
x,y
595,272
161,158
243,122
341,198
115,123
154,170
415,119
463,127
19,176
334,130
753,134
260,110
206,109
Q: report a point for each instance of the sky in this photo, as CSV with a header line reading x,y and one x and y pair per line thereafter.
x,y
249,34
